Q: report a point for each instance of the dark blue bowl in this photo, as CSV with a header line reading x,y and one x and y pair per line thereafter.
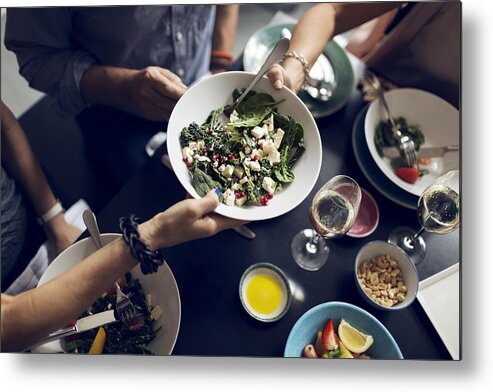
x,y
306,328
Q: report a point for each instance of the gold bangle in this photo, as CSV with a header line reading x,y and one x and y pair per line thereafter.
x,y
300,58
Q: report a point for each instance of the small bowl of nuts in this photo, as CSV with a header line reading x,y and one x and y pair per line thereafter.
x,y
385,276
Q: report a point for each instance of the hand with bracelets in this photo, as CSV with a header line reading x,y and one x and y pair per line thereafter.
x,y
292,71
185,221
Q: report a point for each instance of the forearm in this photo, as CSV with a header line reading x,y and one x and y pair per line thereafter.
x,y
225,27
104,85
22,165
324,21
30,316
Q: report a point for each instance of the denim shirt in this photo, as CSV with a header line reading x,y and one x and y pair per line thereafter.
x,y
55,46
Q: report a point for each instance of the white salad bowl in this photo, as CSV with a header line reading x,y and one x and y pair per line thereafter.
x,y
216,91
161,285
437,119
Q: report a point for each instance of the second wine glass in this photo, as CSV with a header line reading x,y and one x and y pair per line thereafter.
x,y
438,212
332,213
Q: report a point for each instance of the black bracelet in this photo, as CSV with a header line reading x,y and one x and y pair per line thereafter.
x,y
149,261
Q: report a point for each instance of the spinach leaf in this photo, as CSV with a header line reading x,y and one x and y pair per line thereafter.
x,y
202,182
254,109
283,173
293,138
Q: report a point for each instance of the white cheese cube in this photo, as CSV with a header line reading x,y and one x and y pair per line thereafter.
x,y
269,122
229,197
258,132
228,171
254,165
277,137
240,201
239,172
268,184
270,149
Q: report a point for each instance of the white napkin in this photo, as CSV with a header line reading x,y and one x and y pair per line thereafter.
x,y
29,278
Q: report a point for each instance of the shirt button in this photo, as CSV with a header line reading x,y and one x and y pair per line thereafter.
x,y
181,71
179,35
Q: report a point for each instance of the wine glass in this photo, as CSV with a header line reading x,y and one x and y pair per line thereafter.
x,y
332,213
438,212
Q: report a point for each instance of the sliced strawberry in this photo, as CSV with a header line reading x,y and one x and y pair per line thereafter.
x,y
309,351
408,174
329,340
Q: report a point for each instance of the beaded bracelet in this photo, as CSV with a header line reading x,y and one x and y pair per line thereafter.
x,y
149,261
301,59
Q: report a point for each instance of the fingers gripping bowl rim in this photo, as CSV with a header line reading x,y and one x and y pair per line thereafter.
x,y
214,92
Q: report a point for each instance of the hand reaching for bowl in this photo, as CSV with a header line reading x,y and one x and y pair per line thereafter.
x,y
154,92
150,93
185,221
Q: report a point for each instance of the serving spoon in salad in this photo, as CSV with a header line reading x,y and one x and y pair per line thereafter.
x,y
275,55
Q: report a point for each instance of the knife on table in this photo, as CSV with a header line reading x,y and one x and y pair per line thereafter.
x,y
427,152
82,325
241,230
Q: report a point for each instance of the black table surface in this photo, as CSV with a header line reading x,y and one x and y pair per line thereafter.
x,y
208,271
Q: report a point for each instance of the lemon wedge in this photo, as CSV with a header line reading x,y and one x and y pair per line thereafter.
x,y
345,353
354,340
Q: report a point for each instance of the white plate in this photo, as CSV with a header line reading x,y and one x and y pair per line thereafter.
x,y
371,170
439,296
162,285
437,119
213,92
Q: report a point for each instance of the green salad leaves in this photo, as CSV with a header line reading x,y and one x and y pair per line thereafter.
x,y
251,157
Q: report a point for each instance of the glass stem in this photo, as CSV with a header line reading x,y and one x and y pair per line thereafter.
x,y
312,245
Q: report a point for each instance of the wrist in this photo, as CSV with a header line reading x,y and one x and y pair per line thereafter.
x,y
148,232
220,60
295,71
54,211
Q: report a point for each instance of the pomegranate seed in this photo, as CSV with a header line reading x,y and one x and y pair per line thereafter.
x,y
269,196
216,157
255,157
239,195
263,201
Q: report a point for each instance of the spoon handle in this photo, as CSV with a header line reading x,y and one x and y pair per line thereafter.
x,y
277,54
92,226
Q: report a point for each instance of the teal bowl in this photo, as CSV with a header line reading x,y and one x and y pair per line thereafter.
x,y
306,328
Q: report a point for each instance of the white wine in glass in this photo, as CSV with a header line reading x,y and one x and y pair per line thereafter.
x,y
438,212
332,213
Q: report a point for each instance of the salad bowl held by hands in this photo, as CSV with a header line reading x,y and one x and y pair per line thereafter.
x,y
216,92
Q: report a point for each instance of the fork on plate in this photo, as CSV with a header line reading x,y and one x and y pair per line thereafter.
x,y
405,143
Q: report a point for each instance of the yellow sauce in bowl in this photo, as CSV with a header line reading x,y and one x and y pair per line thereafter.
x,y
263,294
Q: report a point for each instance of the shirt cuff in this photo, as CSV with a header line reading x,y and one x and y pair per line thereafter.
x,y
69,95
